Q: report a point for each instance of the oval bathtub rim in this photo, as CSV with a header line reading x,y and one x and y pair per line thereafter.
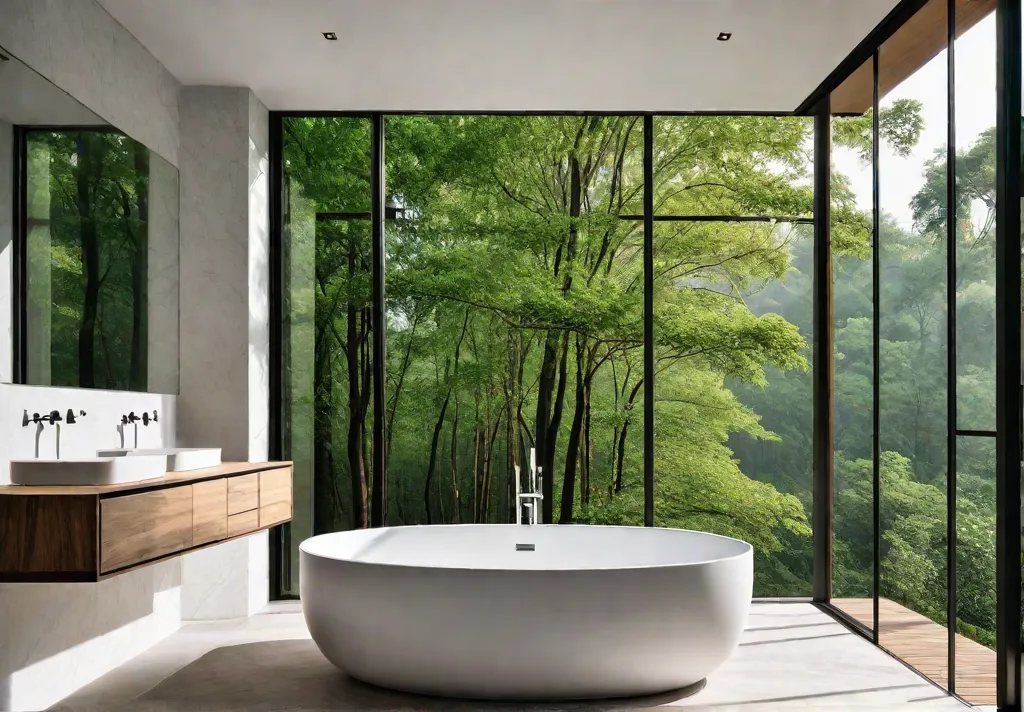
x,y
748,551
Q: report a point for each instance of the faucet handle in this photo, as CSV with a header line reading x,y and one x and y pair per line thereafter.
x,y
25,419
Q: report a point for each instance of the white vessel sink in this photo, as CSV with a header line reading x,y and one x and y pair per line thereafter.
x,y
179,459
90,471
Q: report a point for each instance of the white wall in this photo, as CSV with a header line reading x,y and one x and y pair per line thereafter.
x,y
162,349
225,265
6,247
80,48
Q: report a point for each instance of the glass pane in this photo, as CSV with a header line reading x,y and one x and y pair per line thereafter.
x,y
326,330
98,211
852,223
976,570
732,320
515,299
732,166
975,77
913,348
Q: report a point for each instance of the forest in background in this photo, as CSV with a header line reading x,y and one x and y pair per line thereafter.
x,y
87,248
514,307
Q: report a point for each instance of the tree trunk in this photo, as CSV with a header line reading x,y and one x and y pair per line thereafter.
x,y
489,467
326,509
356,456
573,444
90,165
477,489
615,458
552,434
585,456
439,425
455,459
622,437
432,461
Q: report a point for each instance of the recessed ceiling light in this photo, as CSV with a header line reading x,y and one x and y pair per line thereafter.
x,y
331,36
724,36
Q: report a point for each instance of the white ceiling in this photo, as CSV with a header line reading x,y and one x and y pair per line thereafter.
x,y
506,54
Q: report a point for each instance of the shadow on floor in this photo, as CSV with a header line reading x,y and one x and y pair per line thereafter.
x,y
293,676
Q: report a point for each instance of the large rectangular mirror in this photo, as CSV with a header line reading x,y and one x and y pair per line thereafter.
x,y
88,246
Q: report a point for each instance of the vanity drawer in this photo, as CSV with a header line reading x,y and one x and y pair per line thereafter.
x,y
243,493
243,522
139,527
275,496
209,511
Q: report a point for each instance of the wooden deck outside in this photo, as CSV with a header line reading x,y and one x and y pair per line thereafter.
x,y
922,643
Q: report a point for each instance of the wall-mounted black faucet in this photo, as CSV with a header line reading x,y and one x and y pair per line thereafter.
x,y
53,418
133,420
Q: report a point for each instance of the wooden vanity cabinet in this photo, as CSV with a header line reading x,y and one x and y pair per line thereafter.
x,y
89,533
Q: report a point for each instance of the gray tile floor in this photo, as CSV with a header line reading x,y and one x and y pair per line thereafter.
x,y
792,656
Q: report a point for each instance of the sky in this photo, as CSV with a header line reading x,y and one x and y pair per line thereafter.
x,y
975,78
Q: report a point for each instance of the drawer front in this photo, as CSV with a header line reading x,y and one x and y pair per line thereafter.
x,y
209,511
275,496
243,493
139,527
243,522
276,486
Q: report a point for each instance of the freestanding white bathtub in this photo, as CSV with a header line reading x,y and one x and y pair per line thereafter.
x,y
526,612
